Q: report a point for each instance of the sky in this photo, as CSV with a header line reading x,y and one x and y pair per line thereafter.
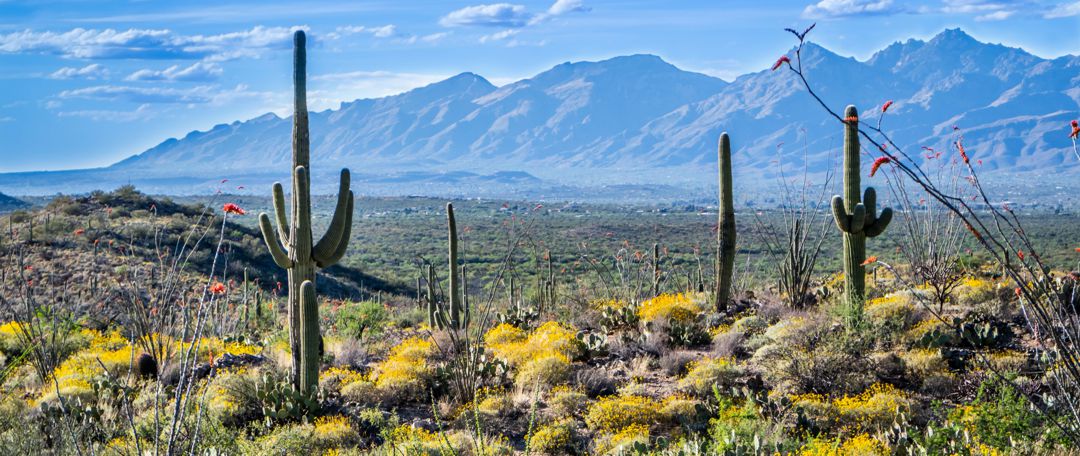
x,y
88,83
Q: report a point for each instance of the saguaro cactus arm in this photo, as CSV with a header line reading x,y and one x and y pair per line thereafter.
x,y
281,257
343,242
339,230
280,214
310,337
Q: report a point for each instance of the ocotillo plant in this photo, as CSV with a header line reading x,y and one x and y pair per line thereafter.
x,y
291,245
725,232
455,316
857,219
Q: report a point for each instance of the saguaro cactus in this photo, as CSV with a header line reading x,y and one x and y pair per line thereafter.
x,y
725,233
455,314
291,245
857,219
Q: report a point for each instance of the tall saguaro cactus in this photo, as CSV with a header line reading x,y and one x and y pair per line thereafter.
x,y
456,315
857,219
725,232
291,244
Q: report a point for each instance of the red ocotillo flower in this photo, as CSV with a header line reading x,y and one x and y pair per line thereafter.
x,y
963,153
780,61
1019,292
79,231
885,107
877,164
1075,130
869,260
1020,254
231,208
217,288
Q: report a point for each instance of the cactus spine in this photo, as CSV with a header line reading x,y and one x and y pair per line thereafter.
x,y
857,219
291,244
456,315
725,232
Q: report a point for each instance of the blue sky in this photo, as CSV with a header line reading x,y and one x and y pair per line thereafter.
x,y
88,83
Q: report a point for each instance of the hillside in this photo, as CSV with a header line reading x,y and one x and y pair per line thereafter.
x,y
104,246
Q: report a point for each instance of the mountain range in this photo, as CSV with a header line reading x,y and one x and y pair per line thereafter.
x,y
638,119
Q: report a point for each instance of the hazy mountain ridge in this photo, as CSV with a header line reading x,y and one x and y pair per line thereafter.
x,y
637,114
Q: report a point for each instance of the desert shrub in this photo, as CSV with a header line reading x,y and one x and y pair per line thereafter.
x,y
930,369
325,434
974,291
684,412
859,445
750,325
890,316
706,373
675,363
17,433
414,441
231,396
336,379
740,426
541,357
357,319
1002,419
809,355
678,307
493,402
1007,361
405,374
875,409
554,438
623,441
564,401
611,414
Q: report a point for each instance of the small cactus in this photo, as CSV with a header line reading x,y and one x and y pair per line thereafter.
x,y
857,219
291,244
725,233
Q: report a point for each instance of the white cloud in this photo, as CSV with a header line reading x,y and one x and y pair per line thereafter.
x,y
987,10
147,43
844,8
1069,10
384,31
91,71
498,36
199,71
567,6
7,119
434,37
143,112
200,94
996,16
204,94
493,15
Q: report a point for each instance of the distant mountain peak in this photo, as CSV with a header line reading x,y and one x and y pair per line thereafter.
x,y
953,35
637,112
